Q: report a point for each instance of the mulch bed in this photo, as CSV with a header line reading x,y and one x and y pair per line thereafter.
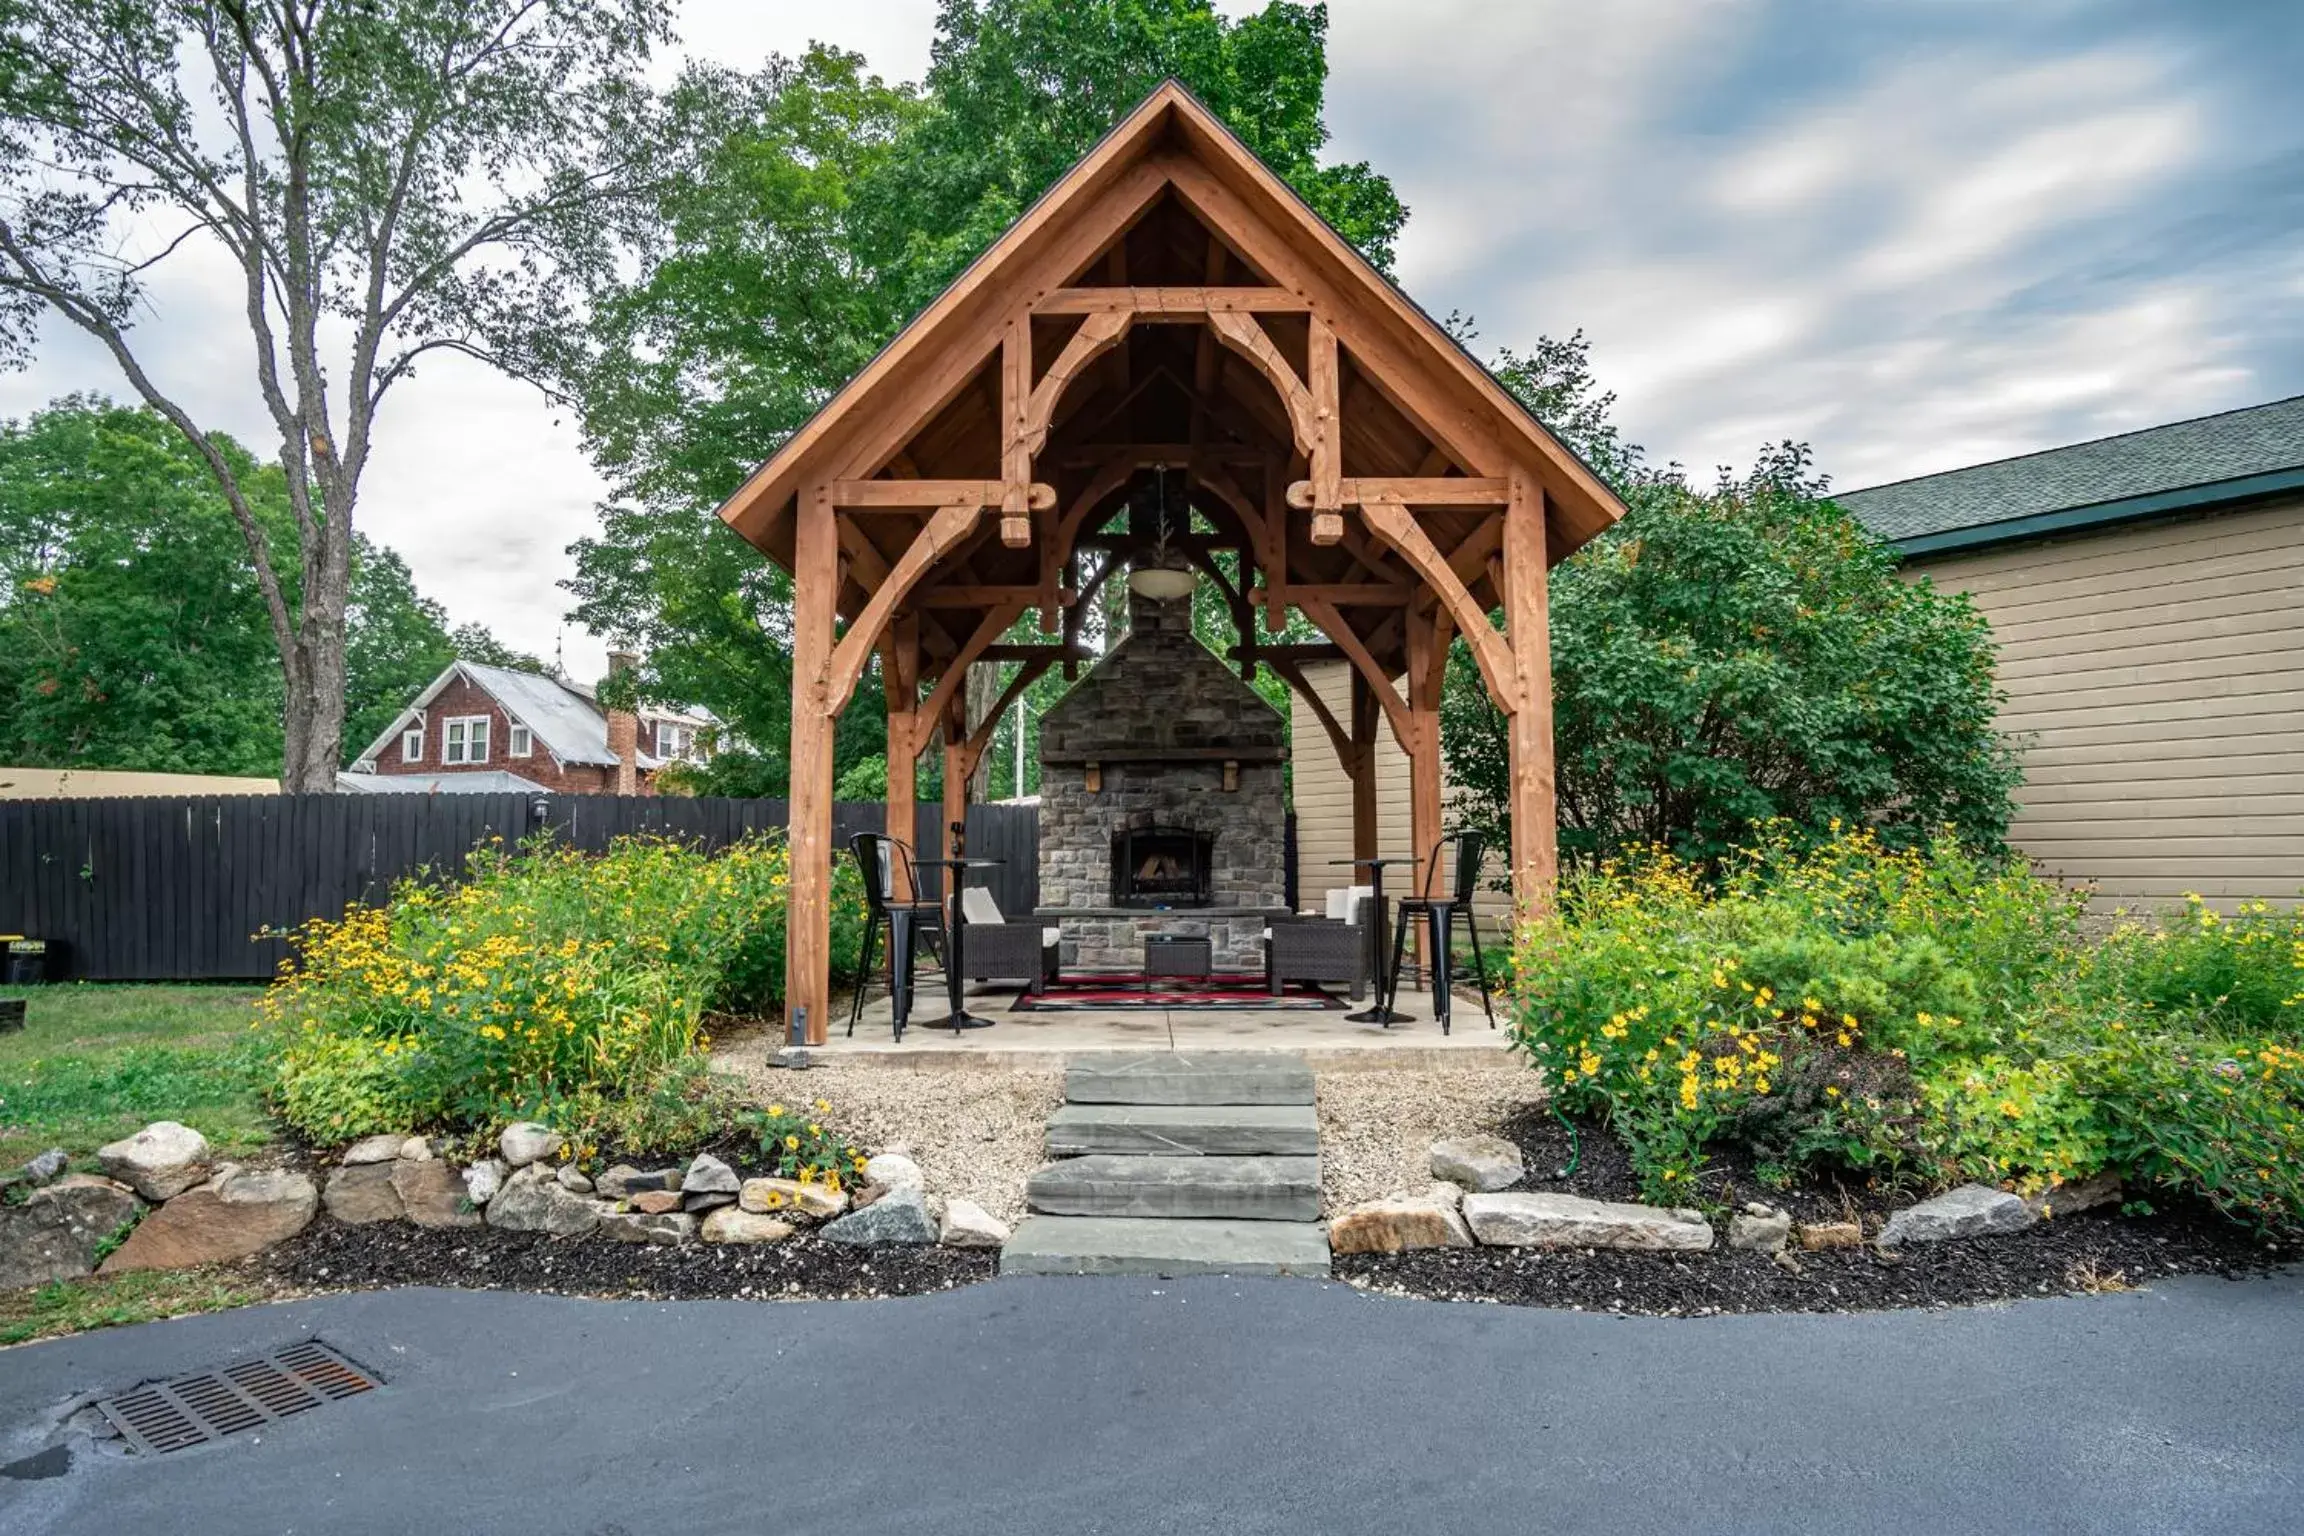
x,y
2092,1251
329,1255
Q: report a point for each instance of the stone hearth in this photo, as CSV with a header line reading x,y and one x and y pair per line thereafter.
x,y
1170,737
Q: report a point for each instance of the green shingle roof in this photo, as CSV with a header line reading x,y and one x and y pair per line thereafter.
x,y
2186,465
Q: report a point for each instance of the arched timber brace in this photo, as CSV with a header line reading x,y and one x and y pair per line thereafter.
x,y
1169,303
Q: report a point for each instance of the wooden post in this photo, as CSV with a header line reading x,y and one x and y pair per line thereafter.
x,y
808,918
900,674
1427,666
1363,771
1527,624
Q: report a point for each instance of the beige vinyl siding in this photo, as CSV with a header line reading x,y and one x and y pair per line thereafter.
x,y
2155,680
1323,796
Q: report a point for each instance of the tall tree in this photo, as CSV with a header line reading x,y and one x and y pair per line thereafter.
x,y
829,208
132,634
387,178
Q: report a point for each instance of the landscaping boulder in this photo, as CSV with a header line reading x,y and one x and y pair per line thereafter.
x,y
1543,1220
373,1149
1398,1223
968,1225
707,1175
533,1201
1972,1210
160,1161
55,1233
1760,1229
2078,1195
655,1202
363,1193
899,1216
526,1142
734,1224
788,1195
666,1229
893,1170
624,1179
416,1150
1818,1237
1478,1162
572,1179
482,1180
48,1167
432,1195
239,1212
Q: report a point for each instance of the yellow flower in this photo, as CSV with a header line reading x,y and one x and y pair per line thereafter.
x,y
791,1143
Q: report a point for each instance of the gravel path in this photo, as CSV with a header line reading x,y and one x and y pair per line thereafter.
x,y
976,1133
1377,1126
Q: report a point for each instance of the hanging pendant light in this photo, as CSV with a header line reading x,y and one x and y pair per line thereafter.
x,y
1164,576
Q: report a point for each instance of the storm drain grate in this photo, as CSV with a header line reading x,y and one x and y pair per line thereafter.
x,y
164,1416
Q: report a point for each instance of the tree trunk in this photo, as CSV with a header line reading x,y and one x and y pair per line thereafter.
x,y
983,691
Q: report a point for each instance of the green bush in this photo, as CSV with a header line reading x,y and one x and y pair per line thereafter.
x,y
1923,1015
545,974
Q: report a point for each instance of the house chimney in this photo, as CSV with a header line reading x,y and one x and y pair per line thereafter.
x,y
624,730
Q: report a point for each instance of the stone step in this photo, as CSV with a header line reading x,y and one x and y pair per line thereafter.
x,y
1209,1188
1121,1245
1175,1077
1185,1130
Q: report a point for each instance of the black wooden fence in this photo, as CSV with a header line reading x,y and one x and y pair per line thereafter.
x,y
176,889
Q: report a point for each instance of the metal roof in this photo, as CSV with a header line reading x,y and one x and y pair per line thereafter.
x,y
2184,466
563,717
477,781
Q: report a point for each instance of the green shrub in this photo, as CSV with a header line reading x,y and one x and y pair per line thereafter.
x,y
545,974
1924,1015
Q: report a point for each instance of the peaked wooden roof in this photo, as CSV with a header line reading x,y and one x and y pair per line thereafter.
x,y
1171,154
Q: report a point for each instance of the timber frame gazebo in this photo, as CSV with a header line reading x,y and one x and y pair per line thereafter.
x,y
1168,303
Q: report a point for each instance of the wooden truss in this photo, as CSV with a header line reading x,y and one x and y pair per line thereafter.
x,y
1169,306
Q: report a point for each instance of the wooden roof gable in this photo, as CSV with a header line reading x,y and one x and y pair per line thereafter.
x,y
1171,154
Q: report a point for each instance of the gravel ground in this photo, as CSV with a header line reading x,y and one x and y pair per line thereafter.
x,y
1377,1126
977,1134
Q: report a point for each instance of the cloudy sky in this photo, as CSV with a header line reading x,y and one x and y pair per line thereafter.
x,y
1917,235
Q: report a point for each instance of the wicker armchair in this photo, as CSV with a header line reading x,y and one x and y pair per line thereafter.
x,y
1332,949
995,949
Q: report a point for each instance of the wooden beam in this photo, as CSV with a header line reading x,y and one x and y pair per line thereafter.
x,y
1398,528
988,629
1427,667
1298,652
1032,653
1326,455
1016,402
1349,594
981,737
808,914
947,528
1110,477
1097,334
1171,304
900,679
1416,490
1324,614
1347,752
922,495
1243,335
1274,546
980,595
1533,808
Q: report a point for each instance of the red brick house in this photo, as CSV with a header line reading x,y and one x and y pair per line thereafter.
x,y
483,728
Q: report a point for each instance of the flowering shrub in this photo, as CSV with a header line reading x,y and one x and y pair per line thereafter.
x,y
799,1146
545,973
1923,1015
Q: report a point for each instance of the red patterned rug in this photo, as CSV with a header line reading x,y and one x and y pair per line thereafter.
x,y
1116,992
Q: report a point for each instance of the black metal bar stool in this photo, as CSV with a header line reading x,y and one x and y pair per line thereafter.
x,y
1439,914
909,922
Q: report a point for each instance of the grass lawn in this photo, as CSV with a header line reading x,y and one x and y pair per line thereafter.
x,y
94,1063
108,1301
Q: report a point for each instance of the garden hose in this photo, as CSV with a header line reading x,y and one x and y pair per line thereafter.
x,y
1575,1145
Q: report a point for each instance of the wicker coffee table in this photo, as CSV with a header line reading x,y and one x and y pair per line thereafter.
x,y
1178,956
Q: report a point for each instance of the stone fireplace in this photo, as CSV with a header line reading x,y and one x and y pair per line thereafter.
x,y
1161,805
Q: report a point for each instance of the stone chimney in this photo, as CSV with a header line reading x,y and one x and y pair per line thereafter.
x,y
624,730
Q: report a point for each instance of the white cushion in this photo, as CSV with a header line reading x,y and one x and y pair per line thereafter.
x,y
1051,937
977,905
1267,935
1345,900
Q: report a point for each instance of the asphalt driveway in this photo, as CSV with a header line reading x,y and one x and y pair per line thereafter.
x,y
1071,1406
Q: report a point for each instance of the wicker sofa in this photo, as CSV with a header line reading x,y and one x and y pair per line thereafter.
x,y
1332,949
994,949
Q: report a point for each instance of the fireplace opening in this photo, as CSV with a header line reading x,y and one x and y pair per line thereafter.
x,y
1162,867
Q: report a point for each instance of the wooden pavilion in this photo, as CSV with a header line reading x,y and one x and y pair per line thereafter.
x,y
1169,303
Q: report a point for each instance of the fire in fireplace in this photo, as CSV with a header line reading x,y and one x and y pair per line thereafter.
x,y
1162,867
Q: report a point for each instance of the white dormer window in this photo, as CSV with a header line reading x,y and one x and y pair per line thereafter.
x,y
412,744
519,742
465,740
